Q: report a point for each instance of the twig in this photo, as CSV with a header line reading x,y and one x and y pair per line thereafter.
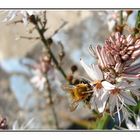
x,y
15,22
52,104
44,19
121,17
47,46
61,26
29,38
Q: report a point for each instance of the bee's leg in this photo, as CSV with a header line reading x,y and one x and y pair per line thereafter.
x,y
90,91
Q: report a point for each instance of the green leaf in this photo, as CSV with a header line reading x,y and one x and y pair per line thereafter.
x,y
103,122
137,25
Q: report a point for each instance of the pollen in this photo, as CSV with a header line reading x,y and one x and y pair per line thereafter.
x,y
98,84
115,91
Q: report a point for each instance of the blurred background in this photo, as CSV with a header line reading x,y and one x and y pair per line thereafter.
x,y
20,101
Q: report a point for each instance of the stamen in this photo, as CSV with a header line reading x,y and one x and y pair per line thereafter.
x,y
119,117
115,91
98,84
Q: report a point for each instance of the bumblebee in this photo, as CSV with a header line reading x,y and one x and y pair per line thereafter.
x,y
81,91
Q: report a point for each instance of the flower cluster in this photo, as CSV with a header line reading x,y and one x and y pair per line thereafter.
x,y
114,78
39,71
3,123
25,15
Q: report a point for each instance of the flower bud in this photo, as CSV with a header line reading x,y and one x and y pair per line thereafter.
x,y
135,54
74,68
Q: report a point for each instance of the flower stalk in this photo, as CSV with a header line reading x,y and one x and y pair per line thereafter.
x,y
137,25
47,46
52,103
121,17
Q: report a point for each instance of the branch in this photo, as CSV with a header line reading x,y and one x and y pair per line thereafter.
x,y
47,46
121,17
29,38
61,26
52,104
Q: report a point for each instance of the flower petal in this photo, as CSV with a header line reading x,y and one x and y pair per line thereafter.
x,y
112,102
128,99
130,125
107,85
138,122
93,72
118,111
98,72
101,101
92,102
126,113
104,99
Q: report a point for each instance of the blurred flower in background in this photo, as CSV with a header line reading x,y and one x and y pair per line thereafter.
x,y
25,14
30,124
3,123
132,126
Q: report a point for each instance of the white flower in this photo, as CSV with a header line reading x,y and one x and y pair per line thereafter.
x,y
10,16
120,97
23,13
100,87
93,72
38,80
132,126
134,87
110,18
26,125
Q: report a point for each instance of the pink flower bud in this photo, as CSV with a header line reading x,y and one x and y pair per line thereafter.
x,y
135,54
131,48
118,67
137,42
125,57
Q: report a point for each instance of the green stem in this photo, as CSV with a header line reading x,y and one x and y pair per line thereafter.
x,y
102,123
137,25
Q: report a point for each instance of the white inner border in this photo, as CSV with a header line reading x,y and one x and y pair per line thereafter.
x,y
70,135
69,4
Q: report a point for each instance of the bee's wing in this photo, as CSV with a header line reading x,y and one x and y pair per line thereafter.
x,y
83,79
74,105
67,87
